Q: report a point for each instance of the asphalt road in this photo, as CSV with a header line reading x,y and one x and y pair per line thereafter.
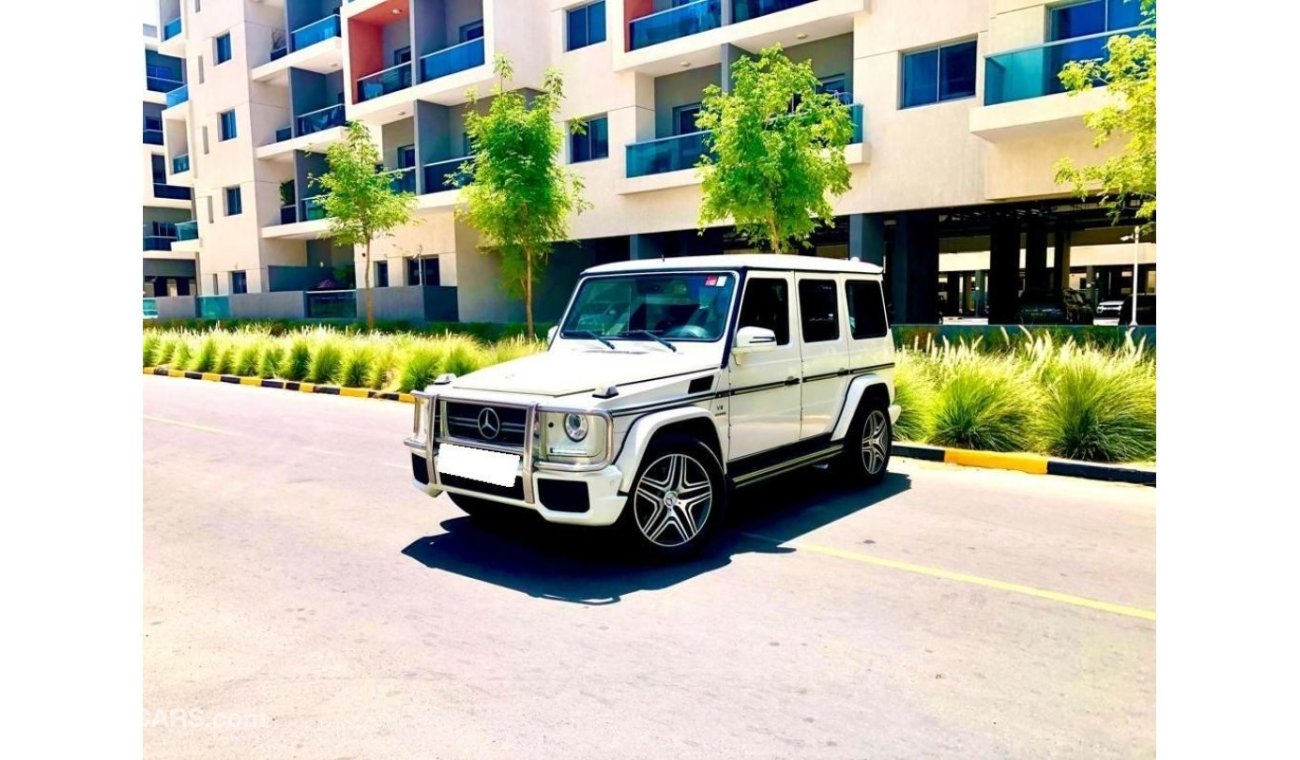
x,y
302,600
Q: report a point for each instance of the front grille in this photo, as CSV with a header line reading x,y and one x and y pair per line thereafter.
x,y
468,422
515,491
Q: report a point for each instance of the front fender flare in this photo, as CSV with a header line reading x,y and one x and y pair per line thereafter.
x,y
643,431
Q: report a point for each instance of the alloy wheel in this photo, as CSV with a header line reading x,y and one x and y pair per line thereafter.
x,y
673,500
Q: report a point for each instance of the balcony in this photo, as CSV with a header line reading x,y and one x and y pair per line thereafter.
x,y
744,10
1034,72
279,52
446,175
320,119
313,208
283,133
156,83
384,82
153,136
666,154
452,59
317,31
171,28
178,96
187,230
181,163
158,242
403,180
288,214
682,21
173,192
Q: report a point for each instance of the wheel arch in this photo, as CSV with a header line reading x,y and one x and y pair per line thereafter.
x,y
692,421
870,387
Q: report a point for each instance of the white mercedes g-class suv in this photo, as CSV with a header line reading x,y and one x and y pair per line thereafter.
x,y
665,385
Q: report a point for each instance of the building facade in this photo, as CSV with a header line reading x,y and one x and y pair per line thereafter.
x,y
958,120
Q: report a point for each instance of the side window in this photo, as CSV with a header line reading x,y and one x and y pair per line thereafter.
x,y
866,309
818,310
767,304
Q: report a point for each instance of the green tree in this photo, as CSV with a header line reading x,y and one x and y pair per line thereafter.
x,y
774,150
518,196
360,201
1129,73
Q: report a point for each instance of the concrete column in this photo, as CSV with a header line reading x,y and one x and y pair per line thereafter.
x,y
867,238
981,293
1004,269
642,246
730,53
914,268
1061,265
1036,274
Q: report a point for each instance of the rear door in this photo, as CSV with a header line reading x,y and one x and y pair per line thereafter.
x,y
824,351
765,405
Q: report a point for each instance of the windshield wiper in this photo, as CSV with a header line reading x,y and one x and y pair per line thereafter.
x,y
653,337
593,336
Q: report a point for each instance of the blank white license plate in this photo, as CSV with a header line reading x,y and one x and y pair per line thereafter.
x,y
478,464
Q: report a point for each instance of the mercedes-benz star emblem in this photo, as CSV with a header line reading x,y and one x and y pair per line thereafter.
x,y
489,424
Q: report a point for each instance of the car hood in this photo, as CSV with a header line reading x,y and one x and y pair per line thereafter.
x,y
562,373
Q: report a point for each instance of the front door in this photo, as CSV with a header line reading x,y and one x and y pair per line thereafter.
x,y
765,405
824,349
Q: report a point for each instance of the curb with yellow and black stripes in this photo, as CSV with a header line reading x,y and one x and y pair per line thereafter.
x,y
1034,464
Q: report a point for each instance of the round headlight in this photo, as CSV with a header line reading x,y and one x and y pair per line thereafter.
x,y
575,426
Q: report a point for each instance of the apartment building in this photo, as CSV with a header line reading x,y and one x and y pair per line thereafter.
x,y
958,120
167,207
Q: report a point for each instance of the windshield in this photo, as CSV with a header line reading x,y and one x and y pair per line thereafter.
x,y
685,306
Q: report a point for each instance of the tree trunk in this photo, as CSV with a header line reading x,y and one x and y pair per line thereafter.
x,y
370,306
528,291
776,238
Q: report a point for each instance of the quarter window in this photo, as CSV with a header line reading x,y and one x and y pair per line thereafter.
x,y
866,309
819,310
939,74
767,304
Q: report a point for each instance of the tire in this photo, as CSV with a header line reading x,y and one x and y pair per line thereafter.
x,y
678,500
868,444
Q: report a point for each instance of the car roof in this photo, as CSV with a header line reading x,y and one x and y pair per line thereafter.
x,y
777,261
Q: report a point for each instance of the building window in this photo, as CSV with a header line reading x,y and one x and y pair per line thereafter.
x,y
939,74
592,144
198,5
423,271
405,156
819,310
205,140
381,274
159,167
586,26
471,31
866,309
1093,17
223,48
402,55
234,201
684,119
226,123
200,62
238,282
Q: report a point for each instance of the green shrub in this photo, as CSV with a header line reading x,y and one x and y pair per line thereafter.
x,y
355,369
152,342
326,361
984,402
422,365
510,349
1100,407
298,360
248,360
914,391
383,367
183,352
272,356
462,355
225,363
205,359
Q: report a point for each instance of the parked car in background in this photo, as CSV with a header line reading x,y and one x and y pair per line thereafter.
x,y
1049,307
1110,309
1146,309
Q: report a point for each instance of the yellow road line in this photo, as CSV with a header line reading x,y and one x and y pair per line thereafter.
x,y
1031,463
974,580
190,425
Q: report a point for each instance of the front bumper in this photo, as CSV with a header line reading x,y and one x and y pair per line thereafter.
x,y
569,496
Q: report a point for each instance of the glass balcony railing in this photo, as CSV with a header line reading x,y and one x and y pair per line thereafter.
x,y
181,163
332,304
667,154
158,243
855,113
1033,72
317,31
214,307
171,28
682,21
187,230
153,136
384,82
452,59
283,133
173,192
744,10
161,84
445,175
321,118
150,308
403,180
178,96
313,208
288,214
279,52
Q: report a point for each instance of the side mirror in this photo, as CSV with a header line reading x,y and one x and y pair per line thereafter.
x,y
550,334
754,339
